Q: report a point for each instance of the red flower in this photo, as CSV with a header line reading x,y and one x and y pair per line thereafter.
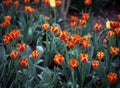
x,y
58,59
35,54
14,54
112,77
22,47
23,62
73,63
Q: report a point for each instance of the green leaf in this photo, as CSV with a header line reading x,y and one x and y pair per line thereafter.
x,y
2,54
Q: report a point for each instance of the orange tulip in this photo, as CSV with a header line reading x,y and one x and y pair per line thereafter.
x,y
14,54
5,23
26,1
55,29
9,2
29,9
86,37
88,2
110,34
70,44
85,44
118,16
95,64
46,26
22,47
97,26
85,16
82,22
73,24
112,77
114,50
7,38
58,59
8,17
37,1
73,19
84,57
76,39
15,33
117,30
58,3
114,24
100,55
23,62
64,36
46,2
35,54
73,63
16,3
5,3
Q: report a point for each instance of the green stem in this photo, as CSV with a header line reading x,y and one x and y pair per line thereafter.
x,y
110,64
55,15
73,78
83,75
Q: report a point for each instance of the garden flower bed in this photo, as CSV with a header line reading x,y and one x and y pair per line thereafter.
x,y
41,47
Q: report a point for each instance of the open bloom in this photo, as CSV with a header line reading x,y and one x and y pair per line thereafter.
x,y
29,9
84,57
114,24
95,64
45,26
15,33
85,44
76,39
73,63
7,38
73,19
82,22
97,26
35,54
58,59
5,23
112,77
64,36
100,55
73,24
117,30
55,29
14,54
22,47
114,50
85,16
70,44
86,37
23,62
110,34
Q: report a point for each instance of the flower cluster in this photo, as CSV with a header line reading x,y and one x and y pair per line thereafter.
x,y
14,34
